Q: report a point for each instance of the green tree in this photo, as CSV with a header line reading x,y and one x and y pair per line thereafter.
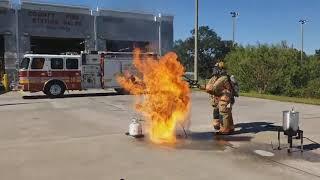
x,y
211,49
312,89
317,52
263,68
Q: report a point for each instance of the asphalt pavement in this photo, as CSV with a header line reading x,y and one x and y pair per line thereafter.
x,y
82,137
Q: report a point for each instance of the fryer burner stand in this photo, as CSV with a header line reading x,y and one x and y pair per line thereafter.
x,y
291,134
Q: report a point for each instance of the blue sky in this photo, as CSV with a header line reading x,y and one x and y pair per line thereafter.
x,y
264,21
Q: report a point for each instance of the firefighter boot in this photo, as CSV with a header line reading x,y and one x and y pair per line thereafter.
x,y
216,119
228,127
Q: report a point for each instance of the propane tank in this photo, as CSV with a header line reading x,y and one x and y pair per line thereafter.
x,y
135,128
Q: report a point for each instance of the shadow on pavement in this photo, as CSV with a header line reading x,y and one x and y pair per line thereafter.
x,y
279,155
208,141
255,127
310,147
72,95
2,91
206,136
202,141
234,138
14,104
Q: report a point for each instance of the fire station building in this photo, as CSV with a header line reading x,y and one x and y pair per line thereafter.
x,y
54,29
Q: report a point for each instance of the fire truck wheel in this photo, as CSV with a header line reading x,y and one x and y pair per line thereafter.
x,y
121,91
55,89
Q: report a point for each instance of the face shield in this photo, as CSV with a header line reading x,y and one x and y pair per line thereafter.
x,y
223,72
215,71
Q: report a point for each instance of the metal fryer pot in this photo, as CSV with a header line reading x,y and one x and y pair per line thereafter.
x,y
290,121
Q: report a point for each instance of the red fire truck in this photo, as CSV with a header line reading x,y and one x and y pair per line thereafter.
x,y
54,74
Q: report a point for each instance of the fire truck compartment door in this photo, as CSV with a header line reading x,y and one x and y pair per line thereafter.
x,y
112,69
127,66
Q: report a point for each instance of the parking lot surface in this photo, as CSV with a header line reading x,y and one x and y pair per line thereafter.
x,y
83,137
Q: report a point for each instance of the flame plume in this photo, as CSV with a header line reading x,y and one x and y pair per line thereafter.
x,y
166,96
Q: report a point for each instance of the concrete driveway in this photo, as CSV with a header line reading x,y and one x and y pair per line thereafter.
x,y
82,137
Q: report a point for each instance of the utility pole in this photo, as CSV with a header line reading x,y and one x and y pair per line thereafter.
x,y
16,10
159,20
196,40
95,13
160,38
302,21
234,15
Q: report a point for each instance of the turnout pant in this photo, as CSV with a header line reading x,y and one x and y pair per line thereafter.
x,y
225,110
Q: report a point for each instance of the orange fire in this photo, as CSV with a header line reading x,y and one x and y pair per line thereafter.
x,y
165,100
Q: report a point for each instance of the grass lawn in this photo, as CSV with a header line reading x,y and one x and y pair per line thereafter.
x,y
312,101
278,98
283,98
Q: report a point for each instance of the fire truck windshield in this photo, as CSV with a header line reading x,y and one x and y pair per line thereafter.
x,y
25,63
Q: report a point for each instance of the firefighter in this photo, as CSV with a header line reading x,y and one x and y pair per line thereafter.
x,y
222,98
214,102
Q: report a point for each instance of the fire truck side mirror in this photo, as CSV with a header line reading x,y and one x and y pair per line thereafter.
x,y
84,59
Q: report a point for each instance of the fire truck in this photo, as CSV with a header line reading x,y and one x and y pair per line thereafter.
x,y
55,74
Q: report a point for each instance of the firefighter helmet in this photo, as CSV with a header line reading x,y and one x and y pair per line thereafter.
x,y
221,65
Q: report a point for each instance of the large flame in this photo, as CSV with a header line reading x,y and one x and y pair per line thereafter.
x,y
166,96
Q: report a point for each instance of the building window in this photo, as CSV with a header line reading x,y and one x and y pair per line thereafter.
x,y
37,63
72,64
56,63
